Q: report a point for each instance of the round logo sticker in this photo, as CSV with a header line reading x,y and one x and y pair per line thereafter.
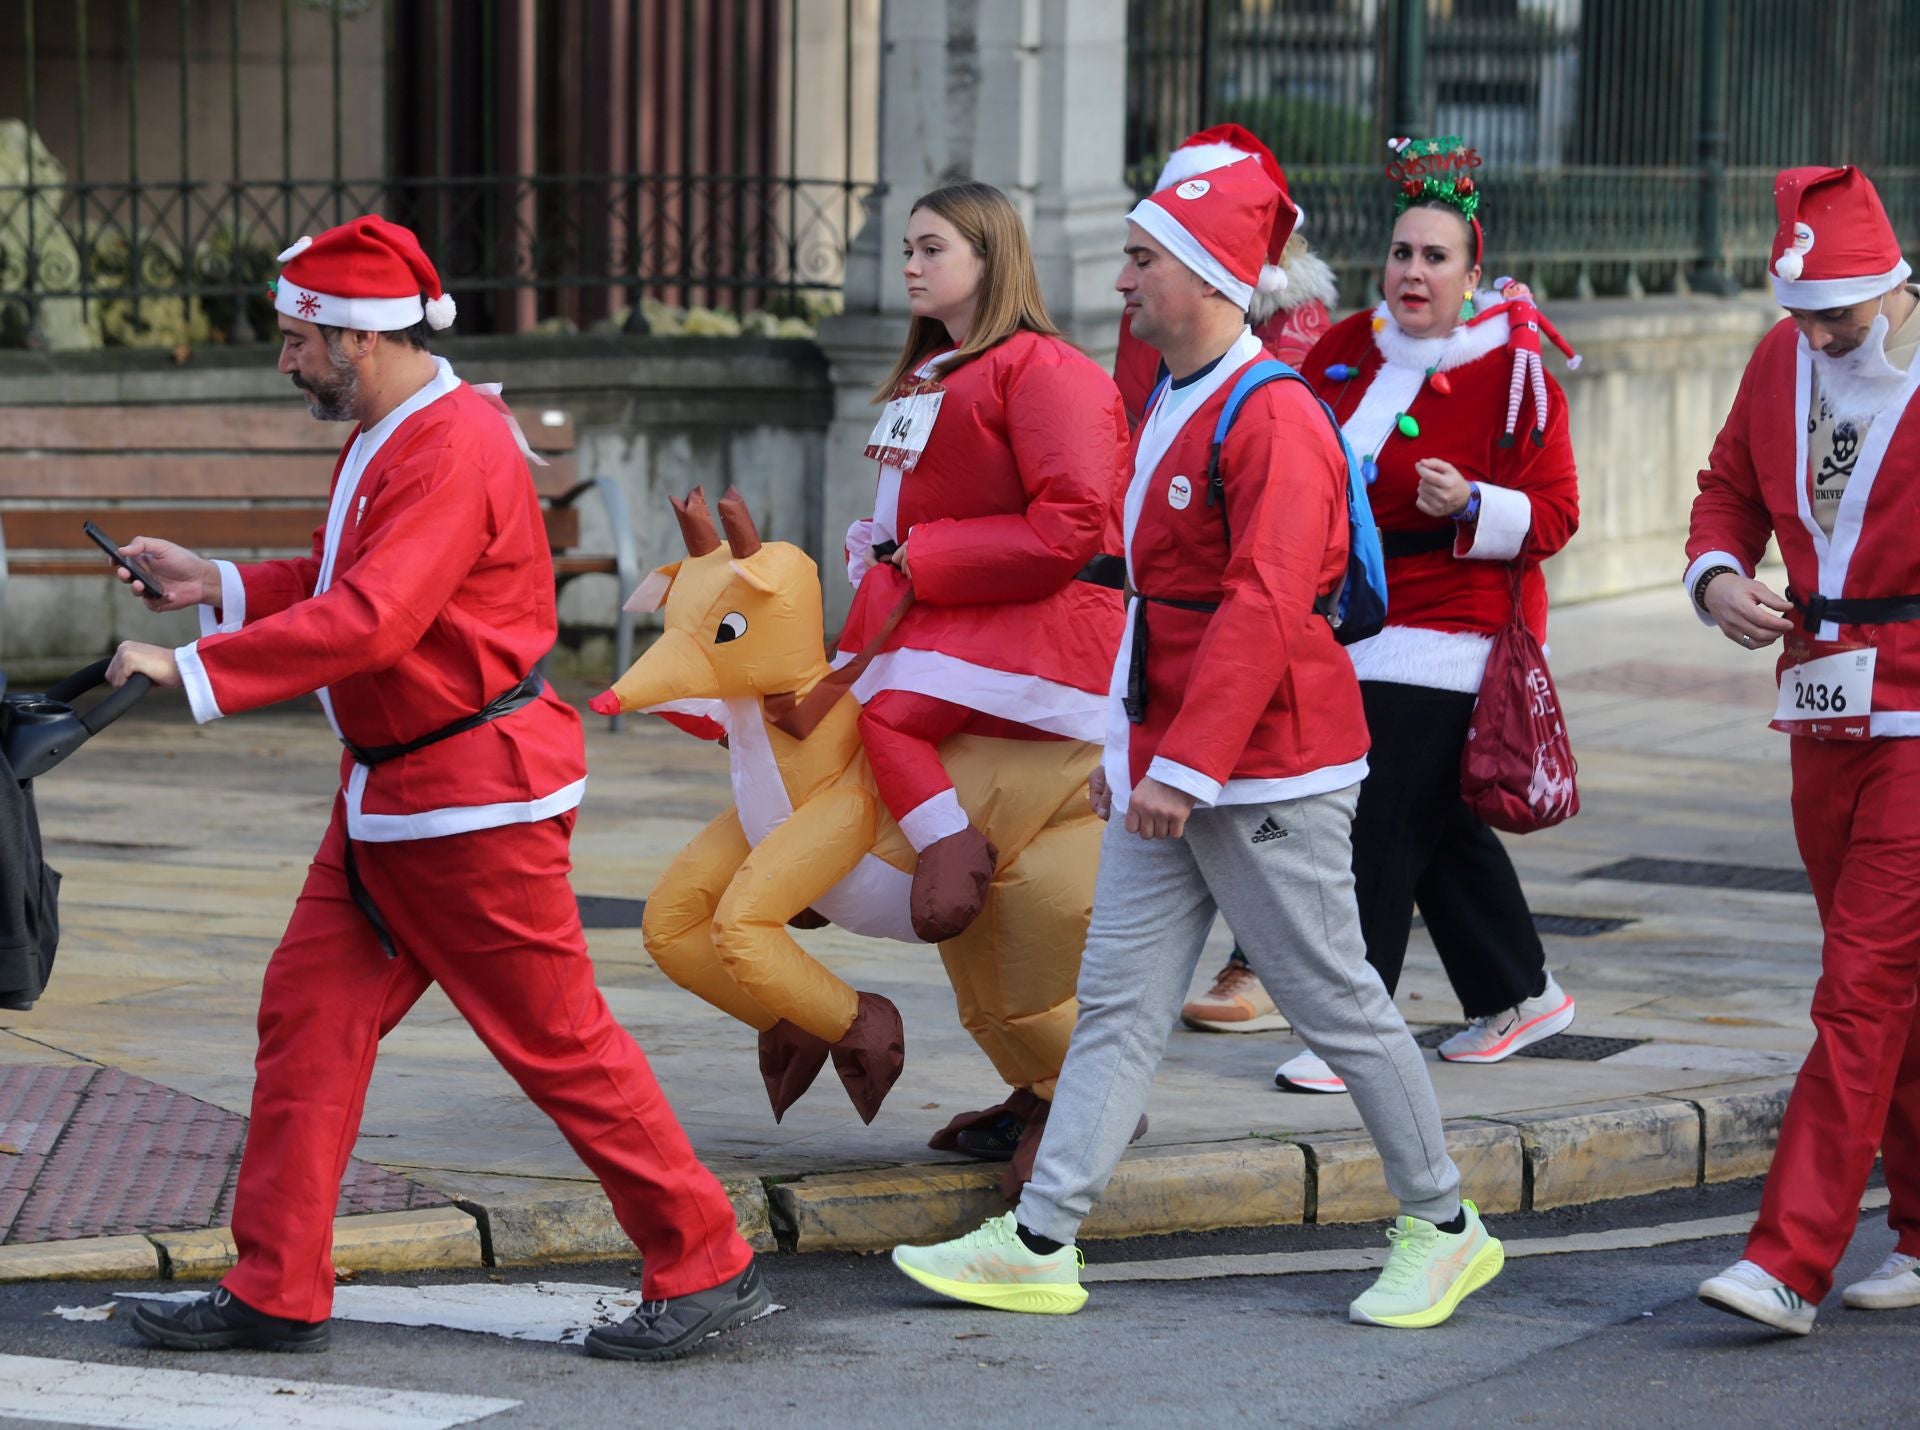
x,y
1802,238
1179,493
1193,188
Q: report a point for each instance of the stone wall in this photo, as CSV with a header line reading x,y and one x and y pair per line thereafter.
x,y
660,414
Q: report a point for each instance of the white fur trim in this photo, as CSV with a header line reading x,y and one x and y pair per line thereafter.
x,y
1814,294
1048,705
651,593
1184,778
454,819
1414,655
299,246
441,312
1308,280
1699,568
1506,516
233,603
193,678
1324,780
1389,394
934,819
1172,235
360,315
1197,159
1453,349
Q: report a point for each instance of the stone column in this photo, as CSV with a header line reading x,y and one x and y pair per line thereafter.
x,y
1027,95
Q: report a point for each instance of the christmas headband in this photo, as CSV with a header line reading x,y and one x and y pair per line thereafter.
x,y
1438,169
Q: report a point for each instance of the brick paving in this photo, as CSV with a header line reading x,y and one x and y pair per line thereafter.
x,y
104,1153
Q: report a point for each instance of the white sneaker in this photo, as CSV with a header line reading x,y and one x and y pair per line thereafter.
x,y
1307,1073
1501,1035
1746,1290
1895,1285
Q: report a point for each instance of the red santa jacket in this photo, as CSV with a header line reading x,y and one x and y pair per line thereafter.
x,y
1018,487
1254,701
1756,484
1444,605
428,593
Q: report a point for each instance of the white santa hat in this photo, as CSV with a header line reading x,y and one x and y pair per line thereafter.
x,y
1834,246
370,276
1223,144
1217,224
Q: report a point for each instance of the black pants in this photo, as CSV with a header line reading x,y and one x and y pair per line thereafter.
x,y
1416,842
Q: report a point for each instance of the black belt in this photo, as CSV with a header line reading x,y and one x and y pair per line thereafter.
x,y
1414,543
1857,611
524,693
1102,570
1135,700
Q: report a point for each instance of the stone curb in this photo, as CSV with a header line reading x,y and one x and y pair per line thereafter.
x,y
1509,1163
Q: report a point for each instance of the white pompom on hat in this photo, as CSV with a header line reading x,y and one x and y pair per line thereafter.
x,y
368,275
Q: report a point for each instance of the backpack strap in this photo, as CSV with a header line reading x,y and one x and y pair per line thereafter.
x,y
1257,375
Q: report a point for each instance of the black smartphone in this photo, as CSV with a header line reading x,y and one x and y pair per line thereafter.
x,y
106,543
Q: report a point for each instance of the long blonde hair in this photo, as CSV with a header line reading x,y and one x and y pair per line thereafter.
x,y
1009,288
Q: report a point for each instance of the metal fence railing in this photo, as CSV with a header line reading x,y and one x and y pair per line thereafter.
x,y
562,159
1630,145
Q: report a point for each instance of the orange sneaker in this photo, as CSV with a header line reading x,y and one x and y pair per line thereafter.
x,y
1236,1003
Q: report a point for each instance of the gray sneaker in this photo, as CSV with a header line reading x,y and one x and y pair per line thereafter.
x,y
669,1329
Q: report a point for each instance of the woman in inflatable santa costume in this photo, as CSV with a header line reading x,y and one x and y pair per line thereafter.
x,y
1422,393
1002,462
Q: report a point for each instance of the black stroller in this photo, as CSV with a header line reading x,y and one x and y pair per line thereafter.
x,y
39,729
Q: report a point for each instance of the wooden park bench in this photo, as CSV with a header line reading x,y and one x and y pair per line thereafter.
x,y
242,482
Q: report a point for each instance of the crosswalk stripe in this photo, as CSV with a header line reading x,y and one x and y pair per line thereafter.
x,y
131,1397
1301,1263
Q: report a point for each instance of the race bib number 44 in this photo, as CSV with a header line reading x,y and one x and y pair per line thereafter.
x,y
900,436
1826,690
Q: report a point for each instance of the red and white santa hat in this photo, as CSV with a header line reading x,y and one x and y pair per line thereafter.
x,y
1219,225
1224,144
1834,246
368,275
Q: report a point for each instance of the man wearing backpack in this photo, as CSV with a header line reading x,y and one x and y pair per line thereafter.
x,y
1235,750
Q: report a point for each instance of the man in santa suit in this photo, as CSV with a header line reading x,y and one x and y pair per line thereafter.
x,y
1822,452
417,619
1234,755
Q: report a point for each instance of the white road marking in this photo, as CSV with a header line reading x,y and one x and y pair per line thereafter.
x,y
1299,1263
562,1311
131,1397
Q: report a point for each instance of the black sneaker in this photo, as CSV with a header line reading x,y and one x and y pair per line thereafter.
x,y
667,1330
223,1322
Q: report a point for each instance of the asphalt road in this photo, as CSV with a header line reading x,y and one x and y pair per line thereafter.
x,y
1561,1338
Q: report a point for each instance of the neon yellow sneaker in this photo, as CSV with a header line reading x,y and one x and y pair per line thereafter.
x,y
1428,1273
992,1267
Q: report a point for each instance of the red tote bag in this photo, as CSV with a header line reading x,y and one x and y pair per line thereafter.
x,y
1517,770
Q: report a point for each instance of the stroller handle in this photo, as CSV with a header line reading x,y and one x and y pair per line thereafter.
x,y
43,731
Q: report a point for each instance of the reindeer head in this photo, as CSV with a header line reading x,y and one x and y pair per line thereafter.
x,y
742,616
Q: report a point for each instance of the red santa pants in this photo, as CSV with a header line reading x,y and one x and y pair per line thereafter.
x,y
1856,814
902,732
491,918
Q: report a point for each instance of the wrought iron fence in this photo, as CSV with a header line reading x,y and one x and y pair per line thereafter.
x,y
564,160
1630,145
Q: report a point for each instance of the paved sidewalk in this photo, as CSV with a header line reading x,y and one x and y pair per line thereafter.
x,y
183,847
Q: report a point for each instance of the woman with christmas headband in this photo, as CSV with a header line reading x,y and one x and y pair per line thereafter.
x,y
1427,396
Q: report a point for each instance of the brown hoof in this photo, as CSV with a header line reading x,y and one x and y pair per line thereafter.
x,y
1020,1105
808,919
950,884
871,1054
790,1059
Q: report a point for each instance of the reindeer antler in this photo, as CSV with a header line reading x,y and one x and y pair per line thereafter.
x,y
742,536
696,522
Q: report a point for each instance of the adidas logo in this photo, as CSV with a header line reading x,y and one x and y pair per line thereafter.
x,y
1268,830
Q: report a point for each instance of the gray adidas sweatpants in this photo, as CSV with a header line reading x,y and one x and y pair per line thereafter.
x,y
1288,895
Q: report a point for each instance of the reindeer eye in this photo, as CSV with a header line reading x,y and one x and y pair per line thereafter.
x,y
733,625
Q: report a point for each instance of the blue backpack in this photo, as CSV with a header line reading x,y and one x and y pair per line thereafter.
x,y
1357,607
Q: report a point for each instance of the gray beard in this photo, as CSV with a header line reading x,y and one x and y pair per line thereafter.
x,y
335,400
